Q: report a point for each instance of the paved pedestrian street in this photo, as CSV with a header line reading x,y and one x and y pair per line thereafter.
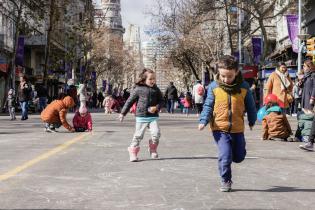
x,y
64,170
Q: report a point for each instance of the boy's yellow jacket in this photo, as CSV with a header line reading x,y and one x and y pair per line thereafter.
x,y
225,111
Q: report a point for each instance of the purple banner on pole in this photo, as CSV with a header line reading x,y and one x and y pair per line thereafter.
x,y
19,58
93,76
293,31
69,70
236,55
82,70
257,49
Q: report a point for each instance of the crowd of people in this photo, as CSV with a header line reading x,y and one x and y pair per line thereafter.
x,y
222,104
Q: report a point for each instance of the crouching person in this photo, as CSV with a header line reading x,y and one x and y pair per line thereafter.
x,y
54,115
275,124
82,120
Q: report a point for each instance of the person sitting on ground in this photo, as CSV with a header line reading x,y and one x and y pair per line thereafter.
x,y
54,115
303,130
275,123
82,120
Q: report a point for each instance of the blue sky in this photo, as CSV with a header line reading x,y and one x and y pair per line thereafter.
x,y
133,11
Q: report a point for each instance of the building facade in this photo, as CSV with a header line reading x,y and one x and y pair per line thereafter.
x,y
133,46
6,48
108,14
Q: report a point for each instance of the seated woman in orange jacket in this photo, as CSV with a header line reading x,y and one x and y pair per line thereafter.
x,y
54,115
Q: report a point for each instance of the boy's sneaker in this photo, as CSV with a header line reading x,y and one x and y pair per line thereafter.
x,y
226,186
308,146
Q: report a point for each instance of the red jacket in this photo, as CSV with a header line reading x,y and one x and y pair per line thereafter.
x,y
82,122
186,103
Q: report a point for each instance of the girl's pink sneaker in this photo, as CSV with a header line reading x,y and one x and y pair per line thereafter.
x,y
133,152
152,149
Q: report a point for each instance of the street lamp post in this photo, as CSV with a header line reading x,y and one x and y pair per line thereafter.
x,y
240,33
299,41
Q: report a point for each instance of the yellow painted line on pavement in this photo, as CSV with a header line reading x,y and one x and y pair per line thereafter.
x,y
42,157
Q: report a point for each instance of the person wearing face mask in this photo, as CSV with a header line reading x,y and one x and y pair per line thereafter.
x,y
149,101
280,84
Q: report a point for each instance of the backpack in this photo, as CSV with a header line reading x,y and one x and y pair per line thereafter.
x,y
200,90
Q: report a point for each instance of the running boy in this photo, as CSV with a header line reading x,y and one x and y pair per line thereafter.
x,y
227,100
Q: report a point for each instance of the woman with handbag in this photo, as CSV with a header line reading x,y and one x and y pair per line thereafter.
x,y
308,86
280,84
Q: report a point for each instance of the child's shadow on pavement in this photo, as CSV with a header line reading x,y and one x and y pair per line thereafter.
x,y
276,189
181,158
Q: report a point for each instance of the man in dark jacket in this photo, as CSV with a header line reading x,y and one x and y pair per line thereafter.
x,y
24,92
42,95
100,98
308,86
171,96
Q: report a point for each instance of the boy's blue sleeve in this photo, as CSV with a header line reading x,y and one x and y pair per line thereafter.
x,y
207,111
250,108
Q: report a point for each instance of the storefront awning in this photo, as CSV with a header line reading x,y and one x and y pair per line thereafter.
x,y
279,52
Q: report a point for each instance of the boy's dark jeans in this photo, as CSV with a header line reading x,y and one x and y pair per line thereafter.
x,y
232,148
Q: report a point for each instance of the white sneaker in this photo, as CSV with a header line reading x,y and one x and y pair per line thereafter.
x,y
50,130
308,146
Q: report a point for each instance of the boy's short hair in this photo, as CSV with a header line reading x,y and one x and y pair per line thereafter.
x,y
227,62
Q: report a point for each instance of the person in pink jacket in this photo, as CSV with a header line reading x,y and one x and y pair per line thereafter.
x,y
187,104
82,120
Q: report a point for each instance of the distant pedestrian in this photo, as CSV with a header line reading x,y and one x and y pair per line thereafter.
x,y
54,115
72,91
100,98
82,120
24,95
10,104
107,104
149,101
82,93
171,97
280,84
198,96
297,94
186,102
94,99
228,98
42,96
126,94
